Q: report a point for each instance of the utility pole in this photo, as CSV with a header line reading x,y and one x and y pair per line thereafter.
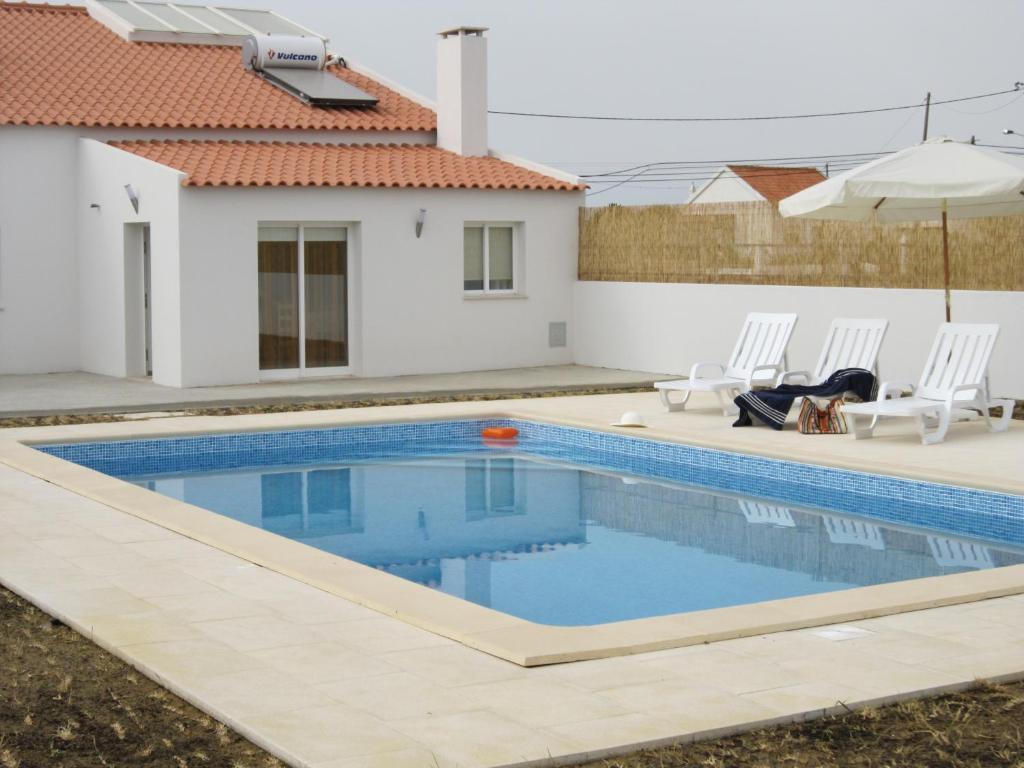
x,y
927,109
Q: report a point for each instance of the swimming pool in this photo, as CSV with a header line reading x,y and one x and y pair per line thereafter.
x,y
572,527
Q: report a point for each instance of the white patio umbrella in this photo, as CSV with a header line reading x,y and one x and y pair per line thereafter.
x,y
937,179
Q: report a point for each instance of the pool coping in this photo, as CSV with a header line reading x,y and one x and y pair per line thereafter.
x,y
516,640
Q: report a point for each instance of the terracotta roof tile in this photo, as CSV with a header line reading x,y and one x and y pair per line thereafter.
x,y
774,183
274,164
60,67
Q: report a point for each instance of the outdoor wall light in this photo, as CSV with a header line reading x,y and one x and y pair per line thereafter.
x,y
133,196
421,217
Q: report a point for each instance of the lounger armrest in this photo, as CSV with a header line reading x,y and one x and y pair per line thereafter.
x,y
696,370
951,397
788,377
897,388
757,375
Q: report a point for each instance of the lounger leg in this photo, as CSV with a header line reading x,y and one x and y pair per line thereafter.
x,y
1003,423
939,434
667,402
859,432
725,399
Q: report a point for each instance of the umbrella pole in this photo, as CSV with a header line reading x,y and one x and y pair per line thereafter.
x,y
945,261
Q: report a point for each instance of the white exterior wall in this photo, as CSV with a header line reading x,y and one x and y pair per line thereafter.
x,y
105,300
667,327
408,313
38,269
727,187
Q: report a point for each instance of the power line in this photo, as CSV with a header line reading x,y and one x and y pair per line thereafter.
x,y
702,170
805,159
844,113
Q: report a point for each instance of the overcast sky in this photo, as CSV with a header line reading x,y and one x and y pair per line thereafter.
x,y
671,58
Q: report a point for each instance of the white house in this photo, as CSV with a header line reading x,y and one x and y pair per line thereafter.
x,y
755,183
166,208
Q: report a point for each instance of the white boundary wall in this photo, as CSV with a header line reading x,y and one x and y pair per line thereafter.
x,y
666,327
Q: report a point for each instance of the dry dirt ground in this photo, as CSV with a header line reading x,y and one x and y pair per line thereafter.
x,y
66,703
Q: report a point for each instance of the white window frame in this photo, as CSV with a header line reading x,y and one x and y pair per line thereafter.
x,y
302,372
515,290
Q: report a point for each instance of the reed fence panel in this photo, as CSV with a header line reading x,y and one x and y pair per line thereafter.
x,y
750,243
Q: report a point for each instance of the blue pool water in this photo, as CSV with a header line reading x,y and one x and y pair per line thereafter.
x,y
570,527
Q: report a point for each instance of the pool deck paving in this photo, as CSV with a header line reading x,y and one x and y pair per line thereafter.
x,y
57,393
324,682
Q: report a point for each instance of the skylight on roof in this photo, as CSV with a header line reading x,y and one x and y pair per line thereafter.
x,y
156,22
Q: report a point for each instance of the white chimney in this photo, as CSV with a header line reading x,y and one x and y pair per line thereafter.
x,y
462,91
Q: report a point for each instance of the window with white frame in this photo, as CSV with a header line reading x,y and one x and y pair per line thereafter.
x,y
489,258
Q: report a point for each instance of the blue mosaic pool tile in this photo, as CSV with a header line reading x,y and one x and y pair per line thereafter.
x,y
964,511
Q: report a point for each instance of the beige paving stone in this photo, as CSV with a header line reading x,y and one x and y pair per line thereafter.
x,y
619,732
453,665
207,606
108,564
79,603
997,612
253,692
47,585
382,634
700,706
730,672
253,633
399,696
912,647
140,627
603,674
872,674
131,530
405,758
483,738
52,529
185,661
936,621
318,734
539,702
78,546
324,662
1006,662
156,581
318,608
808,697
168,549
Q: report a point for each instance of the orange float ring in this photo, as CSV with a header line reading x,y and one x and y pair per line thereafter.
x,y
499,433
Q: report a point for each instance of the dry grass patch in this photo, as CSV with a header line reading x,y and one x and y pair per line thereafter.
x,y
66,703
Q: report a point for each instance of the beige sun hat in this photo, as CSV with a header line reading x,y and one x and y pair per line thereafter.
x,y
630,419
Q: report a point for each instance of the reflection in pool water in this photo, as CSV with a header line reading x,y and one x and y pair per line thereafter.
x,y
560,544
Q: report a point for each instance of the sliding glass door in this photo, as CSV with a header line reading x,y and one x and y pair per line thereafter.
x,y
303,302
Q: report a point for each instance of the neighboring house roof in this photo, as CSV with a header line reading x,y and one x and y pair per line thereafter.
x,y
58,66
270,164
774,183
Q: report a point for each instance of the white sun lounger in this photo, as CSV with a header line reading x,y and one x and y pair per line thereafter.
x,y
757,359
849,343
953,381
